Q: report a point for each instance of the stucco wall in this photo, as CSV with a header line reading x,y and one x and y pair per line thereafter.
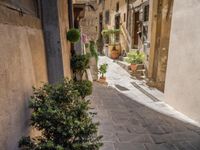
x,y
55,27
23,64
182,88
111,6
65,44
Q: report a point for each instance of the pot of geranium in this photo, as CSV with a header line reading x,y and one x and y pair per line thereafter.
x,y
135,58
102,70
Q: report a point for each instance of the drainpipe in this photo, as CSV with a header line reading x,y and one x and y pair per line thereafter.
x,y
127,14
71,21
71,14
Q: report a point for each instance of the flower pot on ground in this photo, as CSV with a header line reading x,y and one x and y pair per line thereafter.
x,y
133,67
114,49
102,70
115,53
102,80
135,58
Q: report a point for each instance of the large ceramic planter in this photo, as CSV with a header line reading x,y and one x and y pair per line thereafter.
x,y
114,54
116,48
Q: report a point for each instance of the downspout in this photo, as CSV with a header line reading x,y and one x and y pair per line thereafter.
x,y
127,16
71,14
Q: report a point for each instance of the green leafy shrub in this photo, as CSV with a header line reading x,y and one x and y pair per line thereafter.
x,y
73,35
79,64
110,35
63,118
84,88
135,57
103,69
93,50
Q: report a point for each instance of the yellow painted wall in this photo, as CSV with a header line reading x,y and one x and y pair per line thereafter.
x,y
65,44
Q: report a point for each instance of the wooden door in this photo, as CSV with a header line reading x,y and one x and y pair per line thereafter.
x,y
136,29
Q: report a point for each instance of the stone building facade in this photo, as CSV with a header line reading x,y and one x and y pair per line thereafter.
x,y
33,51
131,17
145,25
138,24
89,23
112,14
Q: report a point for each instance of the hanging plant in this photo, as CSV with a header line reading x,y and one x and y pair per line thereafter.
x,y
93,50
73,35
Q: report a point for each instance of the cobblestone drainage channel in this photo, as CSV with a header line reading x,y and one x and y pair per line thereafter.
x,y
121,88
145,92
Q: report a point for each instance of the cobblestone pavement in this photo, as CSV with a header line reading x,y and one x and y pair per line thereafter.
x,y
128,125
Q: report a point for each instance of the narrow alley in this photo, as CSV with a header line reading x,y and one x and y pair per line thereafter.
x,y
128,125
99,75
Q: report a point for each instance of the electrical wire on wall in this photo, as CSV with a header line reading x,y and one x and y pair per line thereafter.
x,y
21,10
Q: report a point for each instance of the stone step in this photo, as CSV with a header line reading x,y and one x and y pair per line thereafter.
x,y
141,70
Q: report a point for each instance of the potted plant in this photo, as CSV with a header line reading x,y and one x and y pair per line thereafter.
x,y
73,35
114,52
79,64
135,58
102,70
114,48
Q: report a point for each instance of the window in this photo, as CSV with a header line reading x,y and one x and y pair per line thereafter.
x,y
146,13
38,8
117,6
124,17
107,17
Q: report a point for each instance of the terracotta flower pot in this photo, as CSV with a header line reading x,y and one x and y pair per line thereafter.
x,y
114,54
102,79
133,67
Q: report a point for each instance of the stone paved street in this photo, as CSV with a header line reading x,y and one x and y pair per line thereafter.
x,y
128,125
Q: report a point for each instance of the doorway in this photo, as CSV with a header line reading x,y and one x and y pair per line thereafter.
x,y
100,24
117,26
136,29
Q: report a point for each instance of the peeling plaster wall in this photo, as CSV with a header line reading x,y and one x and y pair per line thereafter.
x,y
182,88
